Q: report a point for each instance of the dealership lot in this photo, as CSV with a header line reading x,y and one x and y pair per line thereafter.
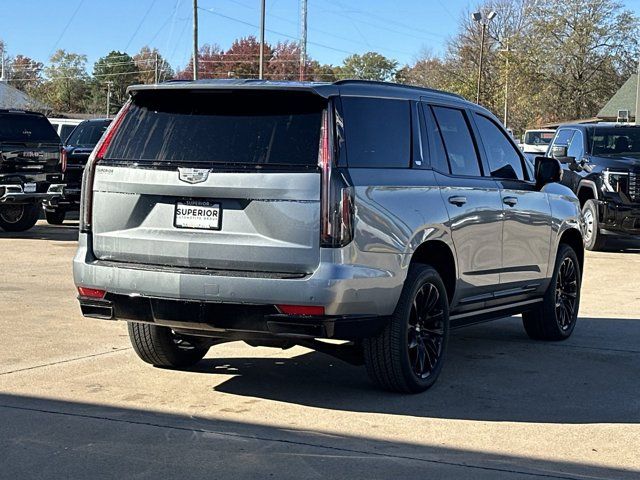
x,y
75,401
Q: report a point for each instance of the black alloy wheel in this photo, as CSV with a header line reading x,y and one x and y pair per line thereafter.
x,y
426,330
566,293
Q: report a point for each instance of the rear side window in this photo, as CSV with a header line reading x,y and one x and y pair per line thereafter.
x,y
461,152
438,153
378,132
502,156
24,127
87,134
200,126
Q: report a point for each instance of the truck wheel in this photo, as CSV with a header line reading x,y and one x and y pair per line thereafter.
x,y
56,217
160,347
593,239
407,356
18,218
556,317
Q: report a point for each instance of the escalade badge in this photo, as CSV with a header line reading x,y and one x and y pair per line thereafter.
x,y
193,175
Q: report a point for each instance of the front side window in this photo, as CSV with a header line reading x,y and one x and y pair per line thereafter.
x,y
461,151
378,132
504,160
576,147
563,137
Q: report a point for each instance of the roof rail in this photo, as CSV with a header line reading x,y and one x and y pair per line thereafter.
x,y
394,84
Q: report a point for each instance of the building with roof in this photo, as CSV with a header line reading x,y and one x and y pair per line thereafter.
x,y
12,98
623,100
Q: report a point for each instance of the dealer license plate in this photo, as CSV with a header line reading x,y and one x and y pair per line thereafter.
x,y
198,214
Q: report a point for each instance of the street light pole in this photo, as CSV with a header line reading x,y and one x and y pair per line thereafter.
x,y
109,83
195,39
506,85
262,14
478,17
303,40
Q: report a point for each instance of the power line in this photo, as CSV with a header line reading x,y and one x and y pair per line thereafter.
x,y
64,30
144,17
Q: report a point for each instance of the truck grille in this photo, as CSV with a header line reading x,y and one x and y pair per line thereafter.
x,y
634,186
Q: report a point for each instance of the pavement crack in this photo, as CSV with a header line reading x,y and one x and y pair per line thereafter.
x,y
68,360
293,442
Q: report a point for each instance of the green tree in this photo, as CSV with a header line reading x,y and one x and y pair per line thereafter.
x,y
114,72
369,66
25,73
152,66
67,84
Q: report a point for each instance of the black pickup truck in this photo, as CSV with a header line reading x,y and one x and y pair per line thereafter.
x,y
601,165
30,168
76,151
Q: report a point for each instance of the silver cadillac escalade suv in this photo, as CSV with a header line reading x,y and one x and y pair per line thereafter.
x,y
284,214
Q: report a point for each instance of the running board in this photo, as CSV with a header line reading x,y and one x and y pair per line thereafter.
x,y
486,314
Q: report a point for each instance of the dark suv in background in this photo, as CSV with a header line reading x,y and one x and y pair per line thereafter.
x,y
30,168
284,213
76,151
601,165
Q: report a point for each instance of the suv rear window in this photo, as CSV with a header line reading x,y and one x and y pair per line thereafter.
x,y
203,126
25,127
378,132
87,134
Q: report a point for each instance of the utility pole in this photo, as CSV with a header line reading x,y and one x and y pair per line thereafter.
x,y
2,65
109,83
637,119
156,68
262,14
506,50
195,39
303,39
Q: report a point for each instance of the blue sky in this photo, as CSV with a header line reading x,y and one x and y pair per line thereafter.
x,y
396,28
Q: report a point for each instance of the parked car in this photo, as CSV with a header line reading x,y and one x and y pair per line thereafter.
x,y
76,153
601,164
64,126
287,213
30,168
536,141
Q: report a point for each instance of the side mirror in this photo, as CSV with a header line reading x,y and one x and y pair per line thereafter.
x,y
548,170
559,152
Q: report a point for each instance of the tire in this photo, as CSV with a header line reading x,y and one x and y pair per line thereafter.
x,y
56,217
556,318
593,239
18,218
160,347
393,357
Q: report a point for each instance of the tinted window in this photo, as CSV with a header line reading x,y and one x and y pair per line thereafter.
x,y
21,127
504,161
461,151
616,141
576,148
563,137
378,132
536,137
87,134
65,131
213,127
438,153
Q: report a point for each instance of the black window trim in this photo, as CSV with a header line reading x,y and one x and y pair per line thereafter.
x,y
525,171
465,115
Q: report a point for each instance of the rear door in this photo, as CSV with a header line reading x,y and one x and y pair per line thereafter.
x,y
214,180
526,239
472,200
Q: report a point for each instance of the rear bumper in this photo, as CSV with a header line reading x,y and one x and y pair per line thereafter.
x,y
342,289
70,200
14,193
232,321
620,220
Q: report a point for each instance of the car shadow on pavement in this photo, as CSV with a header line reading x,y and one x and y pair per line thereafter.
x,y
493,373
50,438
67,232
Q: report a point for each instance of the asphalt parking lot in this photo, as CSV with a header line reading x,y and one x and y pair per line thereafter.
x,y
75,402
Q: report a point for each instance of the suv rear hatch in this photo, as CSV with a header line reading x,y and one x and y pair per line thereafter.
x,y
203,178
29,146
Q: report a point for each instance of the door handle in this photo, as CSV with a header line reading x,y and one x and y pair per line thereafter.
x,y
458,201
511,201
